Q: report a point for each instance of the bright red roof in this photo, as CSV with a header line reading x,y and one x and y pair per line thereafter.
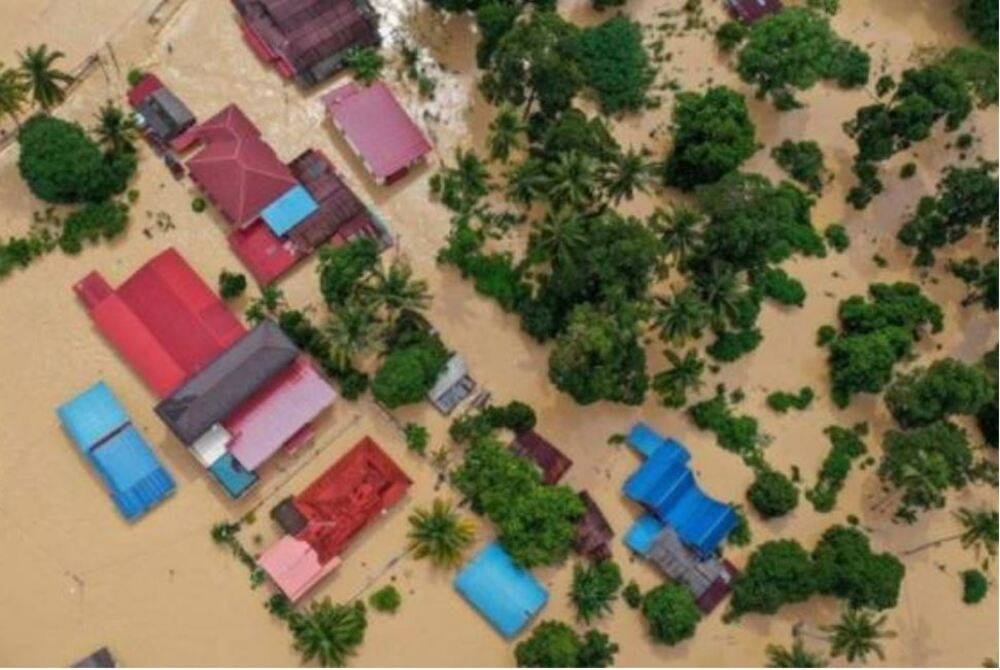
x,y
266,255
164,320
377,127
146,86
363,483
236,169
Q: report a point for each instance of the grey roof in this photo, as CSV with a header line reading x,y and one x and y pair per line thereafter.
x,y
165,115
453,385
101,658
682,564
227,382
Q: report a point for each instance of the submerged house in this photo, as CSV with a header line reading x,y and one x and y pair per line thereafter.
x,y
322,520
101,658
233,397
749,11
505,594
161,114
552,462
307,40
684,527
105,436
377,129
593,532
453,385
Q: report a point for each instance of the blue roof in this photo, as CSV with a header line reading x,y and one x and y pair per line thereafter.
x,y
506,595
645,440
640,536
665,485
132,472
289,210
92,416
233,477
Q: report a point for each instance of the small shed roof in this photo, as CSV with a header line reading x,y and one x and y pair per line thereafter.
x,y
749,11
552,462
92,416
593,532
377,127
289,210
232,476
507,595
143,89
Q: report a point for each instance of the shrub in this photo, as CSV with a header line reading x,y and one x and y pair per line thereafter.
x,y
518,417
730,34
803,161
367,64
772,494
632,595
134,76
730,345
781,401
92,222
734,433
594,589
974,586
846,446
231,284
825,335
198,204
417,438
836,236
671,613
778,286
386,599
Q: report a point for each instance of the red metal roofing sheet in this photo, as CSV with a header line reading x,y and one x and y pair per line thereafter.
x,y
142,90
266,255
377,127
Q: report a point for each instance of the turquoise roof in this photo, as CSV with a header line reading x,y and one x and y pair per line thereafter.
x,y
507,595
289,210
92,416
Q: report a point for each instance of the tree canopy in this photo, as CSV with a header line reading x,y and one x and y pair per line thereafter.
x,y
945,388
671,612
553,644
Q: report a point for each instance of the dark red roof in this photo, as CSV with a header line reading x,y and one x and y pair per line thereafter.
x,y
143,89
363,483
719,589
338,204
593,532
266,255
236,169
552,462
163,320
749,11
377,127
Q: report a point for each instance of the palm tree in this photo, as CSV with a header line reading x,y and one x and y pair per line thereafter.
x,y
627,173
396,289
679,231
440,533
572,180
720,290
526,182
462,186
116,128
980,531
505,133
796,657
13,92
327,632
857,634
684,374
681,317
47,83
351,331
556,238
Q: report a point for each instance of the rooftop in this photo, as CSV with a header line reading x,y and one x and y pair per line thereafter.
x,y
507,595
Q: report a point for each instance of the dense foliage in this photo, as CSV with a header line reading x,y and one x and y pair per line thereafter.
x,y
553,644
778,572
595,587
803,161
772,493
615,64
782,401
671,612
974,586
945,388
846,446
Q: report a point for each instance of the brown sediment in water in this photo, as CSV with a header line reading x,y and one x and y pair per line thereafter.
x,y
160,592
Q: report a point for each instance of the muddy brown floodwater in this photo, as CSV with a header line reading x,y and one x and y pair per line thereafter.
x,y
160,593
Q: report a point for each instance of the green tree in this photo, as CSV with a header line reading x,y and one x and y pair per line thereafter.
x,y
538,527
440,534
594,589
858,634
367,64
386,599
395,290
231,284
974,586
712,135
680,232
803,161
847,568
351,330
628,173
573,181
980,531
553,644
923,463
463,186
772,493
681,317
48,83
327,632
982,281
796,657
683,375
505,133
13,93
671,613
408,373
116,129
778,572
945,388
980,18
490,476
342,269
615,64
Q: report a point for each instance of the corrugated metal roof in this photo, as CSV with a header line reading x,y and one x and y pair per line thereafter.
x,y
289,210
92,416
749,11
507,595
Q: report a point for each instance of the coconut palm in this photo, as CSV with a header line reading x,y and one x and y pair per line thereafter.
x,y
796,657
681,317
327,632
396,290
47,83
625,174
505,133
720,290
683,375
980,531
116,128
571,181
462,186
13,92
857,634
440,533
526,182
351,331
556,238
679,230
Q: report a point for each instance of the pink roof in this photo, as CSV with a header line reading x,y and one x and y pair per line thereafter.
x,y
164,320
294,566
266,255
148,85
377,128
277,412
236,169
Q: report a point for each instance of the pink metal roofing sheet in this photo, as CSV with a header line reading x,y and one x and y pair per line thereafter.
x,y
294,566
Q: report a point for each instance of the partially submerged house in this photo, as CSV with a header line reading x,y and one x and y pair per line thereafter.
x,y
750,11
552,462
161,115
684,527
323,519
453,385
234,398
101,658
105,436
593,532
505,594
377,129
307,40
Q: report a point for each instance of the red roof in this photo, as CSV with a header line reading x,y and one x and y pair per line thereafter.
x,y
749,11
164,320
143,89
266,255
552,462
236,169
363,483
377,128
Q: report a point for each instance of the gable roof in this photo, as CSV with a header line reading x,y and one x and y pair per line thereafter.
x,y
237,170
163,320
215,392
377,127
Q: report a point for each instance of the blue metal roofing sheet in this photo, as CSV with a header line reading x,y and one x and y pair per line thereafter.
x,y
132,472
640,536
233,476
289,210
508,596
646,441
92,416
